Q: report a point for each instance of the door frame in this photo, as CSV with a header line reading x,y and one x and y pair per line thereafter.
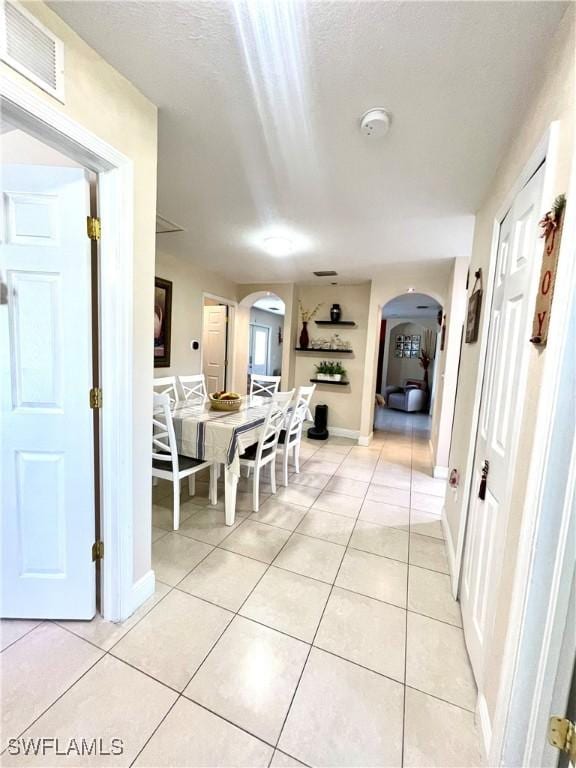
x,y
538,644
230,335
546,149
115,204
512,677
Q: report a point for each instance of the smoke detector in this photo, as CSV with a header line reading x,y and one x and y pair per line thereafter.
x,y
375,123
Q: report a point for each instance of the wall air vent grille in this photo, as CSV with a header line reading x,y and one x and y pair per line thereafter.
x,y
30,48
325,273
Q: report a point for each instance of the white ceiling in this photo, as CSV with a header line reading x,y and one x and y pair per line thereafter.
x,y
411,305
259,121
271,304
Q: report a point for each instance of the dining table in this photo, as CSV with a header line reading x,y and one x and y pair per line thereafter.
x,y
220,436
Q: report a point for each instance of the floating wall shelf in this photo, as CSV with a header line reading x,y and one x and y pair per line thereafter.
x,y
322,352
327,381
339,324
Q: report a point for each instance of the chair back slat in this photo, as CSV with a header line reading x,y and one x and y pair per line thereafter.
x,y
164,447
299,413
193,388
264,386
166,385
274,423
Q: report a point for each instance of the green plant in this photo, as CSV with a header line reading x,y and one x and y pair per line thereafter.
x,y
330,367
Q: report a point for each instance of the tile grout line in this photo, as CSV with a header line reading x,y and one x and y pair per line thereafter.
x,y
40,621
407,599
318,627
347,547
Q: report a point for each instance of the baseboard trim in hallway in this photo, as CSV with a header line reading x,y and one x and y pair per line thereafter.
x,y
142,590
450,553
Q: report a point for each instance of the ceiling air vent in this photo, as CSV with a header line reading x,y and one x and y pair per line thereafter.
x,y
325,273
30,48
163,226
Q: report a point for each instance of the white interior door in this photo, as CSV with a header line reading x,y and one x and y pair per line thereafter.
x,y
214,343
259,346
47,465
503,389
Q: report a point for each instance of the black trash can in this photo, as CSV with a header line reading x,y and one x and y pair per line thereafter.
x,y
319,430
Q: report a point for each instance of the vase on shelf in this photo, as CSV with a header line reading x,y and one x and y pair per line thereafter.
x,y
335,313
304,338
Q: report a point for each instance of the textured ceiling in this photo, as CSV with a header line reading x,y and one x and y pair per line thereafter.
x,y
411,305
259,110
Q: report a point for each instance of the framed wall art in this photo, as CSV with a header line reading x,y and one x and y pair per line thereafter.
x,y
474,309
162,322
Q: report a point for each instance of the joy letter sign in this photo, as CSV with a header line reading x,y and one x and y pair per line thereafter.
x,y
551,232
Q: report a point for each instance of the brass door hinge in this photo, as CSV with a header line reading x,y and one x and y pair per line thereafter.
x,y
97,551
93,227
95,397
562,735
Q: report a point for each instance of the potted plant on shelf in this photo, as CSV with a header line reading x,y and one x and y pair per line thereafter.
x,y
329,370
306,316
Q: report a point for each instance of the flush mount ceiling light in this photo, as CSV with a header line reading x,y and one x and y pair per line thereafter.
x,y
278,246
375,123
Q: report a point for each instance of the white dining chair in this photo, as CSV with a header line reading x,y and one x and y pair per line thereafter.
x,y
166,385
264,386
263,452
291,437
167,464
193,388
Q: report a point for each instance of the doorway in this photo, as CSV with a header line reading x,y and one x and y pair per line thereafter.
x,y
259,351
215,340
119,594
500,418
409,336
49,365
265,337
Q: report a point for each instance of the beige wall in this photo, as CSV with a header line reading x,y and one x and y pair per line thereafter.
x,y
447,362
108,105
344,403
553,100
189,284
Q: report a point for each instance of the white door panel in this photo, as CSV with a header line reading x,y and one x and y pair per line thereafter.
x,y
500,416
48,517
259,347
214,347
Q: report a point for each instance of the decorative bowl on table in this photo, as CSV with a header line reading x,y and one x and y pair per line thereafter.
x,y
225,401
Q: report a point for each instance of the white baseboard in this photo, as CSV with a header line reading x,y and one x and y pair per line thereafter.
x,y
354,434
483,720
141,591
365,440
450,551
441,472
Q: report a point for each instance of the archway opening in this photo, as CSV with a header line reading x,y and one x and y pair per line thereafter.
x,y
265,336
410,337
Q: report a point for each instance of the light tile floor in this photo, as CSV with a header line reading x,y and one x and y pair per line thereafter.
x,y
320,631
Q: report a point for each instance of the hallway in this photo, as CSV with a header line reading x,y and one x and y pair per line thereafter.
x,y
320,630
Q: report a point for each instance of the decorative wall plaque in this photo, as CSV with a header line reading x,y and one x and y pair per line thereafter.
x,y
551,225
